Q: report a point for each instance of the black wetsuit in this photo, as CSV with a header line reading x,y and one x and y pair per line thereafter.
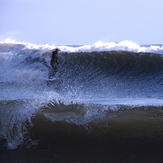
x,y
54,61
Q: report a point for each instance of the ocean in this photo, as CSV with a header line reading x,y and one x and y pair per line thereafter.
x,y
105,105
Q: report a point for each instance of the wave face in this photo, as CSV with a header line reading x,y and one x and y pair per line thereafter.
x,y
114,74
100,92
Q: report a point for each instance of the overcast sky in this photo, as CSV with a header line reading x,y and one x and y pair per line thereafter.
x,y
81,22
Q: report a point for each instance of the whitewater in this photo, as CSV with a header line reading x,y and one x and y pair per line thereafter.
x,y
106,96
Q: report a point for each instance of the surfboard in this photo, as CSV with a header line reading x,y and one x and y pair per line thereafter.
x,y
51,79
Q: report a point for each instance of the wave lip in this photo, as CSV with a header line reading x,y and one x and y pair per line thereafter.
x,y
98,46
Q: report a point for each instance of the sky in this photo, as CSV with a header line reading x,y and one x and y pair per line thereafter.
x,y
81,22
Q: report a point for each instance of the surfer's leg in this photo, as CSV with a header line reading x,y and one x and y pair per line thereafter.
x,y
52,72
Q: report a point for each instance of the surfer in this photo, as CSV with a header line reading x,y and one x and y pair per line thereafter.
x,y
54,63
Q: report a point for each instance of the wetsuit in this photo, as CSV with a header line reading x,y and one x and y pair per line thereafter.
x,y
54,61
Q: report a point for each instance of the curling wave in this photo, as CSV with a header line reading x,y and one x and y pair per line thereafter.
x,y
97,86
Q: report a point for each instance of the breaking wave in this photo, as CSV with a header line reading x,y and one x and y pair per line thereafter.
x,y
97,86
